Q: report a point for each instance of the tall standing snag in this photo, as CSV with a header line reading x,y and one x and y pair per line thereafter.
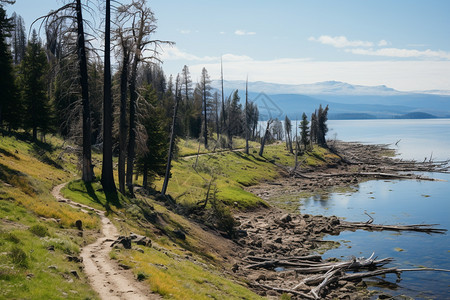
x,y
87,167
107,167
266,135
143,25
246,117
172,137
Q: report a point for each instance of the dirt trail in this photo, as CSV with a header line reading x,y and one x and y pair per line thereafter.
x,y
105,276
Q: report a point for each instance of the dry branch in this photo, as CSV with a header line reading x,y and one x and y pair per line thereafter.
x,y
427,228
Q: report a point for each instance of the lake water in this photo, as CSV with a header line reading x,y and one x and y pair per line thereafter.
x,y
396,202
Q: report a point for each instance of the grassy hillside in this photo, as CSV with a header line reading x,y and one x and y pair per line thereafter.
x,y
37,234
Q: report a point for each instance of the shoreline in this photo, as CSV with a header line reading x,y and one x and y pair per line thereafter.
x,y
274,234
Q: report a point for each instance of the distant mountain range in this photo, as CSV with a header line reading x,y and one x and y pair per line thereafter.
x,y
346,101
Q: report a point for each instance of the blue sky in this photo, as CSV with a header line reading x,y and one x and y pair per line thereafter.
x,y
404,44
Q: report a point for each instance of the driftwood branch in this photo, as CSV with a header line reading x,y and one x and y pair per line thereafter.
x,y
427,228
323,273
283,290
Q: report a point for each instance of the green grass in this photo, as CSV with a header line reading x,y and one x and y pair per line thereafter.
x,y
231,172
188,147
92,194
176,278
29,271
31,220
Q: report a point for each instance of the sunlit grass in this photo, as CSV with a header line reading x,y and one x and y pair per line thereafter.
x,y
179,278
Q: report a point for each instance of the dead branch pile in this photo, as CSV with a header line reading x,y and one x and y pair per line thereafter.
x,y
316,276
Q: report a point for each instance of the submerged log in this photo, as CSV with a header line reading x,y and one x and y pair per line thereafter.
x,y
427,228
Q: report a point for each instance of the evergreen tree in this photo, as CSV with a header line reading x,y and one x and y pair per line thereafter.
x,y
152,138
33,69
205,85
304,131
18,38
322,118
186,105
314,127
252,119
8,96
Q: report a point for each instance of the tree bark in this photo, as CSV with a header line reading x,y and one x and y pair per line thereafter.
x,y
132,129
246,116
108,183
261,150
205,132
145,176
123,121
172,142
223,100
87,168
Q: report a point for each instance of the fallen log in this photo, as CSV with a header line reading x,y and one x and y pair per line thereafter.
x,y
427,228
283,290
289,258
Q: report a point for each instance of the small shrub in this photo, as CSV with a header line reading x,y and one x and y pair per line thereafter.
x,y
141,276
285,296
67,246
12,238
39,230
18,257
223,217
225,220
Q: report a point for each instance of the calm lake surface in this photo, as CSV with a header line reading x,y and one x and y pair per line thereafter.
x,y
396,202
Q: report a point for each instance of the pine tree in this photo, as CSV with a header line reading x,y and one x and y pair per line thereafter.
x,y
152,141
205,85
8,95
235,117
304,131
33,69
322,118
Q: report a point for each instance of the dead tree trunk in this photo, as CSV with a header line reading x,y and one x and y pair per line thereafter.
x,y
107,166
261,150
87,168
132,129
205,132
246,116
172,140
123,119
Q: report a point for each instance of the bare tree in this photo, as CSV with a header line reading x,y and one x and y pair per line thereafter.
x,y
246,117
288,129
19,39
172,136
266,135
224,117
107,165
143,25
87,168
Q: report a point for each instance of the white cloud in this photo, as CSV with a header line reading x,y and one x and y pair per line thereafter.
x,y
234,58
184,31
243,32
340,41
403,53
383,43
174,53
